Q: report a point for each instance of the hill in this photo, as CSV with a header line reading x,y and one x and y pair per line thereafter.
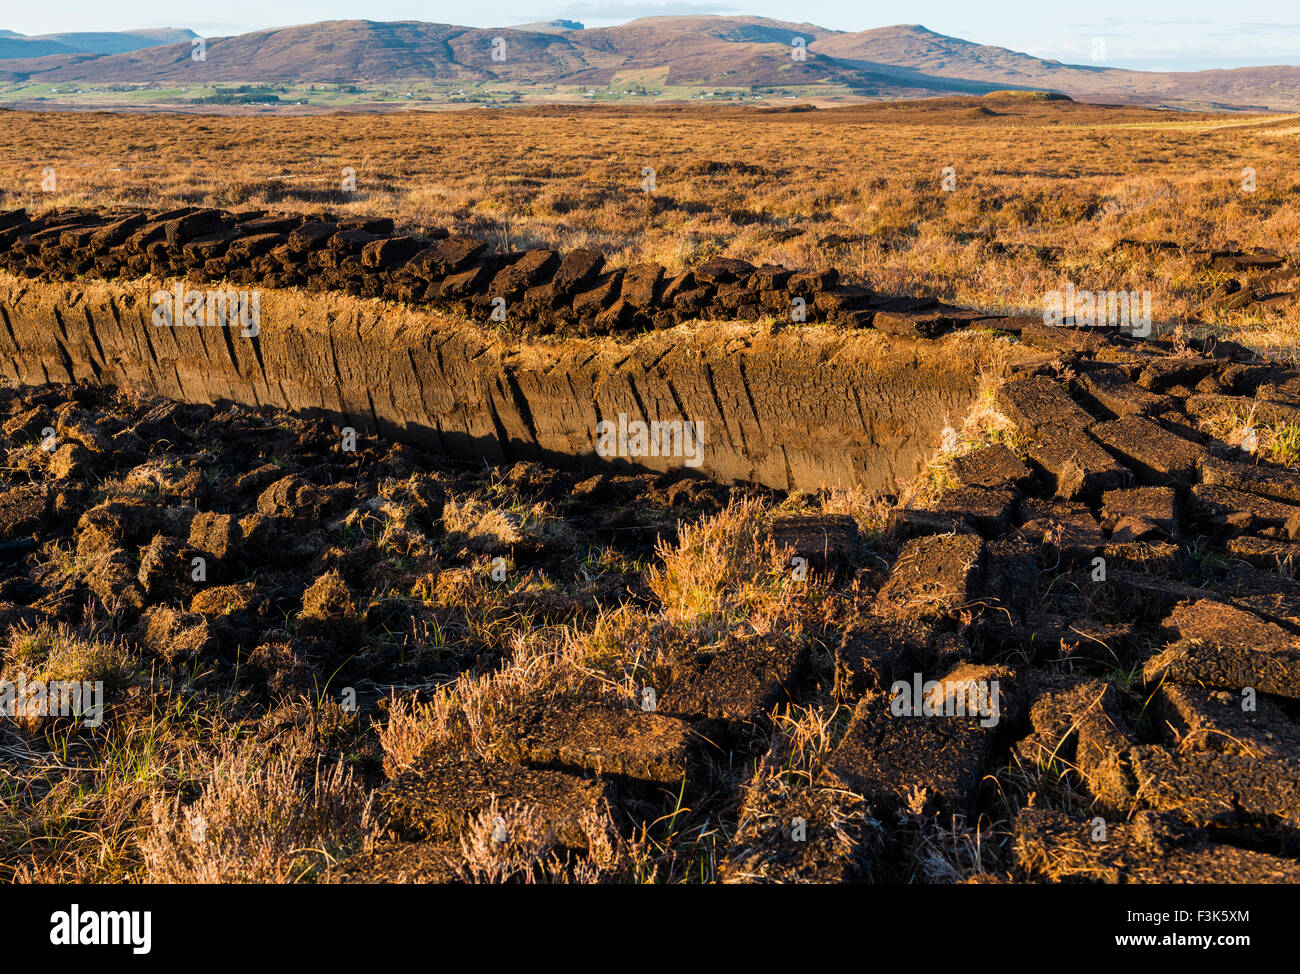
x,y
14,45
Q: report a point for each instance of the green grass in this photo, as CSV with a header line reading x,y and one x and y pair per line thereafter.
x,y
416,94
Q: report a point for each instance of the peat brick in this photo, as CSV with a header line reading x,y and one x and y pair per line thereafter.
x,y
1266,553
723,270
1211,789
741,682
193,225
1234,510
595,299
1050,846
1082,723
1175,370
641,285
1041,633
464,284
888,759
809,284
311,236
539,298
990,466
1214,720
1011,572
578,270
933,576
115,233
1267,594
1056,338
980,509
206,248
680,284
1157,456
1079,467
1210,406
842,297
388,252
246,248
649,748
1035,403
827,542
350,241
1068,530
1114,391
618,315
1226,668
450,256
1134,595
1228,627
1281,389
437,799
1139,512
23,510
874,652
693,301
1266,481
770,277
733,299
216,535
829,849
913,324
533,268
379,226
270,224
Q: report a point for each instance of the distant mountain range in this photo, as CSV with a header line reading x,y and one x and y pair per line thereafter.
x,y
22,46
731,52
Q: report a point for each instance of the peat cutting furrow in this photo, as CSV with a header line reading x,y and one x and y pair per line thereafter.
x,y
778,409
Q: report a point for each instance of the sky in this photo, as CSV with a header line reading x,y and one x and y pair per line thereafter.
x,y
1185,35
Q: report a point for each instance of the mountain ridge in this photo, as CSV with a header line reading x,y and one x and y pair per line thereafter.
x,y
902,60
14,45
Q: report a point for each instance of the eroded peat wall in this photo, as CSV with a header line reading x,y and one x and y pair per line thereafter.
x,y
790,409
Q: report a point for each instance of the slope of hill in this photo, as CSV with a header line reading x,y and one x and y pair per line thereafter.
x,y
550,26
914,47
15,45
920,49
333,51
120,42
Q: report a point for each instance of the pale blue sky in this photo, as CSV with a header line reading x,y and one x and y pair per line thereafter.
x,y
1145,34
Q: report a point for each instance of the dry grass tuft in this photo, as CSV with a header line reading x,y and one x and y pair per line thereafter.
x,y
727,570
260,818
50,652
516,846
